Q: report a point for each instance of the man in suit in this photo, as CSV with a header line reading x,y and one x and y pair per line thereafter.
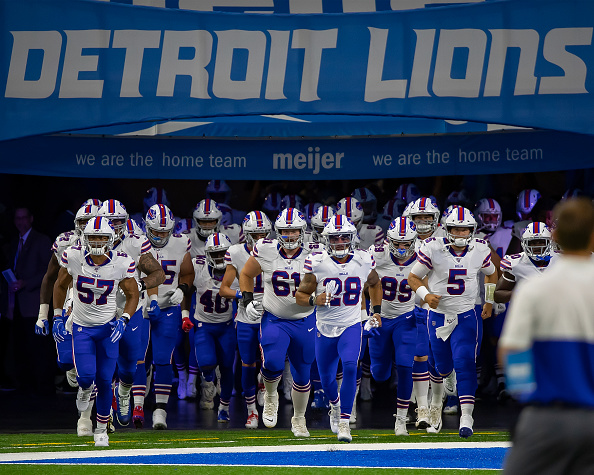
x,y
27,255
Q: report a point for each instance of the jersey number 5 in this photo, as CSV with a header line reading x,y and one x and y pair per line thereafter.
x,y
456,278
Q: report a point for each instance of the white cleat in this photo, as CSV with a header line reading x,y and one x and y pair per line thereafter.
x,y
159,419
261,391
298,427
101,439
466,422
435,421
344,431
353,418
252,420
334,417
84,427
71,378
400,426
191,390
83,398
270,411
422,417
209,391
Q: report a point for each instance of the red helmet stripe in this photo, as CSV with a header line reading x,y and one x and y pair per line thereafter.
x,y
402,226
163,216
216,239
97,224
290,216
527,199
460,213
422,204
348,207
491,203
207,206
536,228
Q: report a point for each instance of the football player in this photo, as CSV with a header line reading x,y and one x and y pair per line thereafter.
x,y
130,352
368,203
489,219
398,333
525,204
452,265
164,317
96,273
333,281
256,226
369,234
286,328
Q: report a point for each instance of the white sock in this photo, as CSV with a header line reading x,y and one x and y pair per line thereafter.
x,y
421,389
271,388
300,401
87,414
467,409
251,408
437,397
401,412
124,389
192,378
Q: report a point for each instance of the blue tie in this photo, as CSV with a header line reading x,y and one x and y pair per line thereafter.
x,y
18,253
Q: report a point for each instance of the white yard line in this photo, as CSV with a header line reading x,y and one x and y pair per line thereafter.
x,y
16,457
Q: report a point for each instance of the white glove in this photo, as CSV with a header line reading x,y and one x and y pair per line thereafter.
x,y
175,296
331,288
498,308
254,310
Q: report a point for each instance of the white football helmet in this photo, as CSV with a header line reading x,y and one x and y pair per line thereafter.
x,y
98,227
340,236
446,213
132,227
394,208
159,218
116,212
368,203
215,249
402,231
92,201
526,201
319,221
352,209
209,213
309,210
536,241
218,190
408,192
255,222
460,217
290,218
291,201
424,214
488,215
154,196
82,217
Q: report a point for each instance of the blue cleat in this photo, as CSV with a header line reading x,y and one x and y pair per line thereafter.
x,y
223,416
123,412
466,422
320,401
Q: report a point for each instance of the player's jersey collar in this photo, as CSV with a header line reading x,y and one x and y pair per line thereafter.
x,y
349,259
92,264
283,254
406,263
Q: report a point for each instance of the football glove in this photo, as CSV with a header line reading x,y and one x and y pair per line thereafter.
x,y
238,295
58,330
254,310
118,329
42,326
187,324
331,289
153,309
175,296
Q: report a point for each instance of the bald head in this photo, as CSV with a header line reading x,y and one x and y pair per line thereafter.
x,y
574,224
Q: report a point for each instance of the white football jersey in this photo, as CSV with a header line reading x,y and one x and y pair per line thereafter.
x,y
282,276
63,242
438,233
350,277
170,257
237,255
312,246
95,286
454,276
134,246
499,240
232,231
370,234
397,296
211,307
521,267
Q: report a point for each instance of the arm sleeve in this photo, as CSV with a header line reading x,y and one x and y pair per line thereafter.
x,y
489,269
420,270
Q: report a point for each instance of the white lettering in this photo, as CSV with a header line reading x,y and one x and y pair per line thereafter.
x,y
377,89
277,64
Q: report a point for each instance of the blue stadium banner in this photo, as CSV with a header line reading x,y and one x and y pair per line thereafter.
x,y
74,64
307,159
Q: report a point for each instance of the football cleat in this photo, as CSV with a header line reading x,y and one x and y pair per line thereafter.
x,y
400,426
191,391
261,391
71,378
159,419
334,417
252,420
344,431
138,417
451,405
110,425
422,417
298,427
84,427
466,422
83,398
319,400
209,391
101,439
123,408
435,421
223,416
270,412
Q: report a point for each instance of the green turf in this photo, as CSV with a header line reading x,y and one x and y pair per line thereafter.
x,y
149,439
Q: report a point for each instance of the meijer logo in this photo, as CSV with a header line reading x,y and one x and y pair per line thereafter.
x,y
312,160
